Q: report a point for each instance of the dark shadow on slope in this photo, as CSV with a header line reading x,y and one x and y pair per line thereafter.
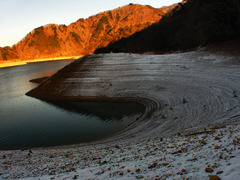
x,y
106,111
190,25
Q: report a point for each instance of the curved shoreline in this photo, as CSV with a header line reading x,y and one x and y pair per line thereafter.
x,y
88,79
149,105
163,81
185,93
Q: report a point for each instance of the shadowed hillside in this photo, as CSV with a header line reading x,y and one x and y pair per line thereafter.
x,y
191,24
85,35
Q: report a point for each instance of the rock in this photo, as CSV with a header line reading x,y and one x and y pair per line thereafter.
x,y
75,177
72,169
183,171
164,164
184,101
138,170
213,177
219,172
209,170
216,138
177,152
117,146
139,177
103,162
203,142
234,94
220,156
153,165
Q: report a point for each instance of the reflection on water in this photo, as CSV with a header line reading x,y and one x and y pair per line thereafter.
x,y
106,111
29,122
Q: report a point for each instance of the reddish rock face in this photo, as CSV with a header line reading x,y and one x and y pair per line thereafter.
x,y
85,35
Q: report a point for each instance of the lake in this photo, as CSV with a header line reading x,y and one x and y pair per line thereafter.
x,y
27,122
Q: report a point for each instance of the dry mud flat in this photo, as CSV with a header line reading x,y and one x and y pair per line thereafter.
x,y
188,96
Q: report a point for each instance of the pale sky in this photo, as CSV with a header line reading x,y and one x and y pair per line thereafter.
x,y
19,17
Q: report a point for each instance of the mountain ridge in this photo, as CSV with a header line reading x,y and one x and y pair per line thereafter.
x,y
192,24
84,35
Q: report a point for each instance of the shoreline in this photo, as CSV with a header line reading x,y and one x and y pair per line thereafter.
x,y
176,156
4,64
192,133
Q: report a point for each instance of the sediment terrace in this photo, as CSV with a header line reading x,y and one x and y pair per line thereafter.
x,y
183,94
182,91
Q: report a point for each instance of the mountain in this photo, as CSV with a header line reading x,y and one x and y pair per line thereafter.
x,y
191,24
85,35
8,53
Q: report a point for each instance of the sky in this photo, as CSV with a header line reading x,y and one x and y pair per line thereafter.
x,y
19,17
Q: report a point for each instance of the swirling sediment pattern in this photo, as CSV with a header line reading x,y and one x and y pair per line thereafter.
x,y
181,92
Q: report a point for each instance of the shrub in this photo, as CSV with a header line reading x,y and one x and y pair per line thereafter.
x,y
54,42
75,36
104,20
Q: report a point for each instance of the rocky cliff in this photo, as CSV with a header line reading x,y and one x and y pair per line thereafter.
x,y
85,35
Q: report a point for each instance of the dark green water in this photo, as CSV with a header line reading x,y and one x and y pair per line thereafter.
x,y
28,122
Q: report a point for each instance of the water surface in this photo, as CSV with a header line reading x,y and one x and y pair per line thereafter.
x,y
29,122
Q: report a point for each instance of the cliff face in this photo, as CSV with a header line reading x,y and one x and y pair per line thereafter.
x,y
85,35
191,24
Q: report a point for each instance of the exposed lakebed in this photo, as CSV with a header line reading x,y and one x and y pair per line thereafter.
x,y
172,134
29,122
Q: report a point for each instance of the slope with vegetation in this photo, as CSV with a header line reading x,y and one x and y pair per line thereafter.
x,y
85,35
191,24
8,53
